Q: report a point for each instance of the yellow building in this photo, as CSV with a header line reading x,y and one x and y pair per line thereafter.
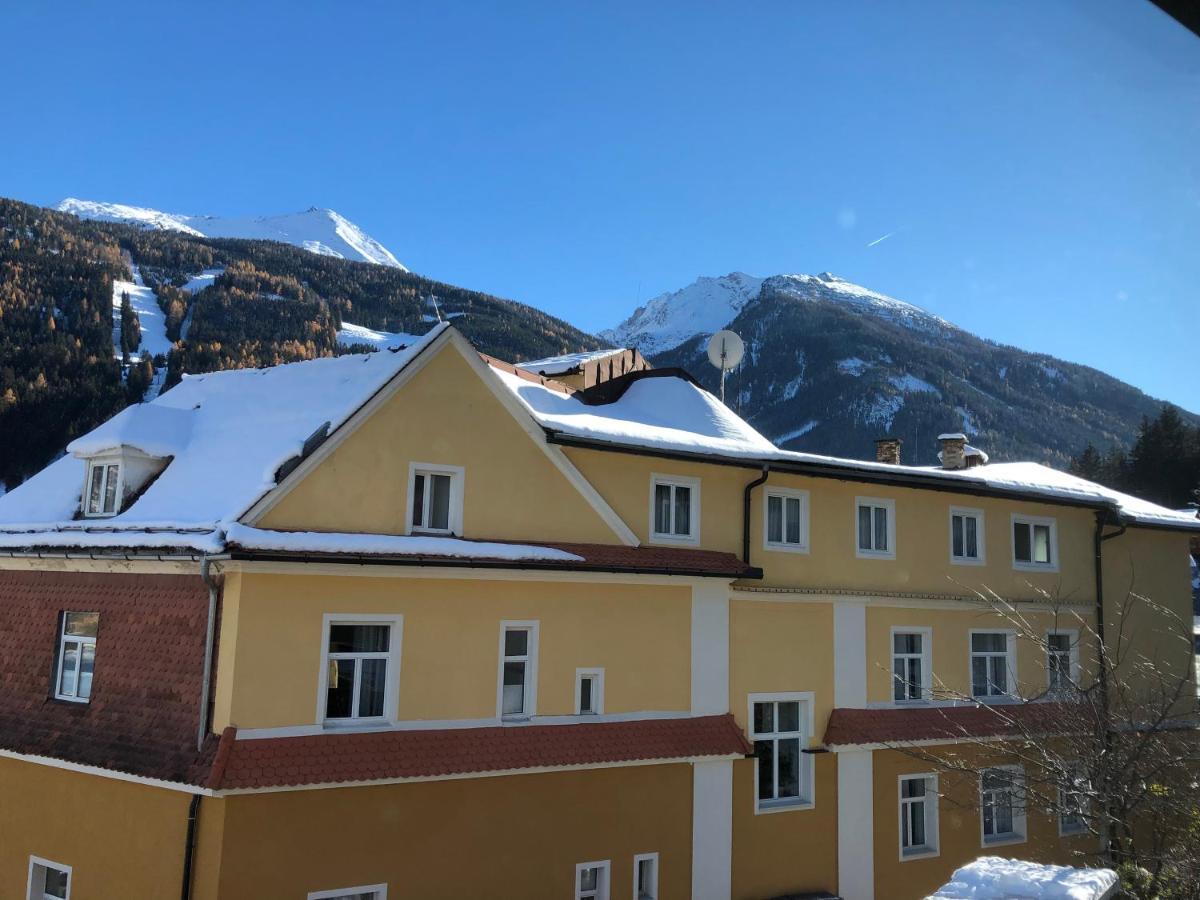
x,y
423,624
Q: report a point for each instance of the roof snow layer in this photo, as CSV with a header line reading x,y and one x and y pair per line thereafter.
x,y
229,432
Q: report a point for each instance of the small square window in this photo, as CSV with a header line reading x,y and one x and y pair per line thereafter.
x,y
785,523
591,881
589,692
103,495
48,880
645,876
966,536
435,499
675,509
76,656
875,528
1035,543
366,892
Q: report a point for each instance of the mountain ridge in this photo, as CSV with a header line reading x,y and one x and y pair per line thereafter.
x,y
316,229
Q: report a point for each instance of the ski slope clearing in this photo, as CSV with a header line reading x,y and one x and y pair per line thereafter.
x,y
150,317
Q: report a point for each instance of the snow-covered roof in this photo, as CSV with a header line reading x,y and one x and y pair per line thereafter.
x,y
665,413
996,878
228,433
561,365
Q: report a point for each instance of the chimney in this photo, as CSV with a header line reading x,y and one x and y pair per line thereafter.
x,y
887,450
953,453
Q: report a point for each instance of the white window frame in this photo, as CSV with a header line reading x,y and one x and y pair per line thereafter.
x,y
1062,803
102,462
653,859
597,676
391,693
1020,833
1010,662
933,843
693,535
786,494
808,784
1021,519
926,662
531,670
63,639
455,519
1072,636
34,863
980,541
602,883
379,889
890,507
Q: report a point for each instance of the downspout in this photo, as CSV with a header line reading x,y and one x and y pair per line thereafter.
x,y
189,846
209,635
1106,736
766,471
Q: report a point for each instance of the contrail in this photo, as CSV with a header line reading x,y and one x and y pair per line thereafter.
x,y
881,239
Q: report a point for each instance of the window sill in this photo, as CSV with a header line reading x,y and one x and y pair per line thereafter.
x,y
921,853
1034,567
874,554
674,539
786,548
769,807
75,701
1003,840
967,561
365,724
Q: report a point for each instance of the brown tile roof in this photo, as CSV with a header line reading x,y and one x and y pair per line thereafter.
x,y
387,755
851,727
144,709
595,557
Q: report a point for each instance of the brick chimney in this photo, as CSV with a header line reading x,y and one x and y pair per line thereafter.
x,y
953,454
887,450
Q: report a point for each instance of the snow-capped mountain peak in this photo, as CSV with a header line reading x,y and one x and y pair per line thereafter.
x,y
318,230
709,304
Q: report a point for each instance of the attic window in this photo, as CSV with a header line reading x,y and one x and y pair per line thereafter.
x,y
435,499
103,488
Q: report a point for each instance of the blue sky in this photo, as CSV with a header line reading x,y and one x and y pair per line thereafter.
x,y
1037,164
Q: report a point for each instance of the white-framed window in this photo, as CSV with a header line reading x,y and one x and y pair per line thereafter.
x,y
516,696
785,520
966,536
365,892
1072,802
360,668
912,666
874,528
435,499
76,656
645,876
918,816
102,492
993,663
1035,543
591,880
48,880
1002,805
589,692
674,509
1062,660
781,725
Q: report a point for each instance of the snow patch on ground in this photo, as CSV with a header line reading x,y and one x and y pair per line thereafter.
x,y
996,878
852,365
911,384
151,318
881,411
969,425
798,432
197,283
349,335
792,388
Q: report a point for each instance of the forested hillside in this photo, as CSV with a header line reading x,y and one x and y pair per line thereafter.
x,y
67,364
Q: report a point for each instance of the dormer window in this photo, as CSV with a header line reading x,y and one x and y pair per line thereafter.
x,y
103,488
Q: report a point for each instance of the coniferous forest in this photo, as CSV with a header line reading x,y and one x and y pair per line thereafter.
x,y
66,362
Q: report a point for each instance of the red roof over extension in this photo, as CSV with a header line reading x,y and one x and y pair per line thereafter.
x,y
856,727
388,755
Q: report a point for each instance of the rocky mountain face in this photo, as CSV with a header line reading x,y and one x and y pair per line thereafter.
x,y
830,366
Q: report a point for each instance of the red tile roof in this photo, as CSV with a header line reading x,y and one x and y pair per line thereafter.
x,y
145,703
387,755
595,557
852,727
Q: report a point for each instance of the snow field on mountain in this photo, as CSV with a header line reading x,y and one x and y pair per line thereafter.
x,y
150,317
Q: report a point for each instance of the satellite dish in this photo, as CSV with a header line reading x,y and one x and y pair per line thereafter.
x,y
725,351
